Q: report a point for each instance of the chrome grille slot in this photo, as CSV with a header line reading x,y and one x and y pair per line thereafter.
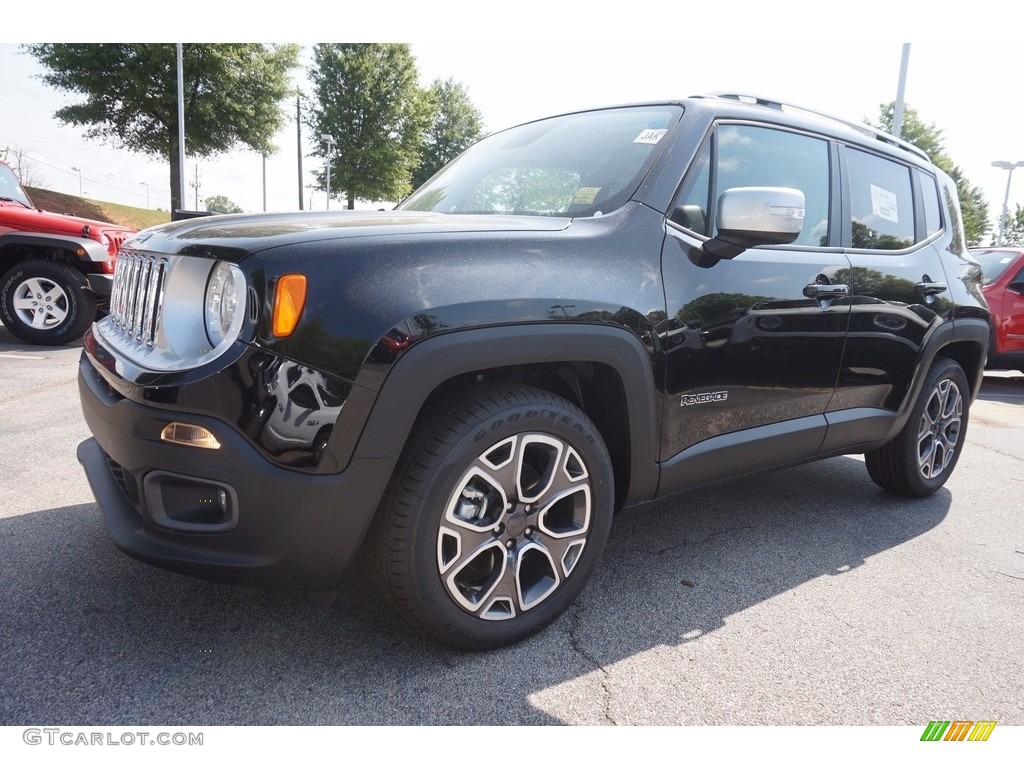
x,y
138,294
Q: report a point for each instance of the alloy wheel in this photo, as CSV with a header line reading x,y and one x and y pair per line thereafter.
x,y
515,525
939,431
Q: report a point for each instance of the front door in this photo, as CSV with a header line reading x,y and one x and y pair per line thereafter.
x,y
751,352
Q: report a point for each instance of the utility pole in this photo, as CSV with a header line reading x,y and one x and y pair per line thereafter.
x,y
298,134
181,131
195,186
1006,165
901,90
329,141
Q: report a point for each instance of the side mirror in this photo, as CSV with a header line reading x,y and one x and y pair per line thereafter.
x,y
1017,286
750,216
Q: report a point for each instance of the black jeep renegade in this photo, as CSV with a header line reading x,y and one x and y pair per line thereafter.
x,y
580,314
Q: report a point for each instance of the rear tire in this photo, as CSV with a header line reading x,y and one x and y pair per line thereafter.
x,y
497,515
46,302
919,460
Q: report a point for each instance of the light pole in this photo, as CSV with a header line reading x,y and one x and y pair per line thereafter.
x,y
1007,166
146,185
73,168
327,139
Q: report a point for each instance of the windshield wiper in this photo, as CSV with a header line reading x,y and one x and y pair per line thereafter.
x,y
14,200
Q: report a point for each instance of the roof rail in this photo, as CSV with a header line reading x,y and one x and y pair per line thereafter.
x,y
781,106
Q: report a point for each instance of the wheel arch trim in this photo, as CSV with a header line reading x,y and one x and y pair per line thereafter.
x,y
432,362
94,251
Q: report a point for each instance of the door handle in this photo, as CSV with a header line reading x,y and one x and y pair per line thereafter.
x,y
927,288
819,291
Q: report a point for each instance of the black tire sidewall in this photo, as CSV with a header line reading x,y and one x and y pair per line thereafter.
x,y
81,303
440,615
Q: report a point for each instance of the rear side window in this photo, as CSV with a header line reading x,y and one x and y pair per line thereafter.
x,y
881,202
752,156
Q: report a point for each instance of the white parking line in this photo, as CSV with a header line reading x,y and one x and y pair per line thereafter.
x,y
22,357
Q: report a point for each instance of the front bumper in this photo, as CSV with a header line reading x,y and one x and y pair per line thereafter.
x,y
279,527
101,283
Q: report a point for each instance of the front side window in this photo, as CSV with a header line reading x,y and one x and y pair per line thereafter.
x,y
752,156
583,164
881,202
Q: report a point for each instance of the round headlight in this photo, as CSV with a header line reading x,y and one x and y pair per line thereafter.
x,y
225,302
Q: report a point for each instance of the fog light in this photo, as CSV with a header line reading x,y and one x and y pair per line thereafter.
x,y
189,434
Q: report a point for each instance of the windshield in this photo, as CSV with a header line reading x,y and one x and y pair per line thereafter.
x,y
994,263
10,187
583,164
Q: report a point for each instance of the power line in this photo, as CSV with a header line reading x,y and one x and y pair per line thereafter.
x,y
91,177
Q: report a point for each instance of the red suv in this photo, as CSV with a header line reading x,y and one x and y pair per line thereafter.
x,y
1004,290
55,270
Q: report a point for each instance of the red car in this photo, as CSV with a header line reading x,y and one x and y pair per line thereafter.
x,y
56,271
1004,290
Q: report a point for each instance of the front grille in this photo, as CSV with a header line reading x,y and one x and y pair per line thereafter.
x,y
137,296
116,240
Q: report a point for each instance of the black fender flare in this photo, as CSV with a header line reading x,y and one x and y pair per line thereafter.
x,y
431,362
964,340
94,251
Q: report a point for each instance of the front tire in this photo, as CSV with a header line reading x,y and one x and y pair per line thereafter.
x,y
919,460
498,513
45,302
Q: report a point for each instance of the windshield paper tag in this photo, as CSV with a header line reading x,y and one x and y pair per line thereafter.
x,y
650,136
585,196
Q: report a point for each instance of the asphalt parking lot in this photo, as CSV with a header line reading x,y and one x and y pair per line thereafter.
x,y
803,597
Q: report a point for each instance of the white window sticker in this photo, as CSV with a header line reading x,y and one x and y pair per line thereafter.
x,y
883,204
585,196
650,136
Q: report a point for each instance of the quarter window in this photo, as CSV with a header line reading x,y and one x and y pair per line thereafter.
x,y
930,201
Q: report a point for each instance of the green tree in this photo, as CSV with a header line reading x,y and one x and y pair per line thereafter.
x,y
454,125
1013,232
233,94
928,137
366,97
222,204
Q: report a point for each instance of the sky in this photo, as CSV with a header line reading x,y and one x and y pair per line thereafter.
x,y
544,60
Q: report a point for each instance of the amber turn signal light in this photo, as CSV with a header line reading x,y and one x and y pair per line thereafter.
x,y
189,434
289,299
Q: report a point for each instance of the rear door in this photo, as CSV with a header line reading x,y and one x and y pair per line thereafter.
x,y
891,223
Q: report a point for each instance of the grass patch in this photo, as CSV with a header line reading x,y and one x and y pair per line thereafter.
x,y
122,215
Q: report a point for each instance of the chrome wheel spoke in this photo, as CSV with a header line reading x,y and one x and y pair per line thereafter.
x,y
564,552
458,545
473,576
536,575
35,287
